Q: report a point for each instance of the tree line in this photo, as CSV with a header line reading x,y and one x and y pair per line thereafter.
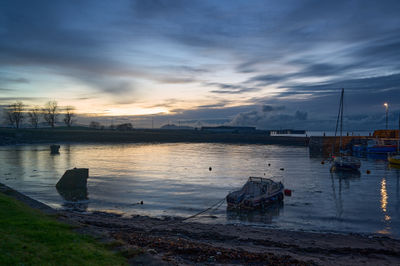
x,y
17,112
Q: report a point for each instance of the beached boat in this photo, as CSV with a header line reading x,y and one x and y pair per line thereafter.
x,y
343,162
258,192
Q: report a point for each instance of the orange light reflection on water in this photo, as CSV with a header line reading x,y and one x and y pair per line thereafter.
x,y
384,203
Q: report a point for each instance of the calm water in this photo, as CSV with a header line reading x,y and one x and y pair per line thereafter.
x,y
174,180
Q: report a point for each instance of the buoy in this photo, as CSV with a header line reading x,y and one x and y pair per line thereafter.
x,y
368,171
287,192
322,162
269,164
210,168
282,169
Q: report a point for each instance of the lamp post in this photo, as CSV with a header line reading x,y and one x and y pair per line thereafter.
x,y
387,108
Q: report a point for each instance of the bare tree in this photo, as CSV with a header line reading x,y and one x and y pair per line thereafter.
x,y
15,113
69,115
50,112
8,116
34,116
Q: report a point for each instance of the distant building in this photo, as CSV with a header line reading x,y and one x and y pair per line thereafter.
x,y
175,127
287,132
228,129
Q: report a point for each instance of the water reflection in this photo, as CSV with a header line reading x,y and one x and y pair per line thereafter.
x,y
384,203
174,180
264,216
343,178
76,199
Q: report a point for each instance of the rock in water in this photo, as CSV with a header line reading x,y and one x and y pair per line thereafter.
x,y
54,149
73,179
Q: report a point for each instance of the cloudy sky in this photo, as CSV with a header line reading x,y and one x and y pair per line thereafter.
x,y
270,64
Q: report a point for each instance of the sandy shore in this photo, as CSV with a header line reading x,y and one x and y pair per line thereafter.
x,y
177,242
189,242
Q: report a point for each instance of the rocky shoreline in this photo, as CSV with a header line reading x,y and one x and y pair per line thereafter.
x,y
176,242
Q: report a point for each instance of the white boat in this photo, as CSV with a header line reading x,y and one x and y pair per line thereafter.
x,y
258,192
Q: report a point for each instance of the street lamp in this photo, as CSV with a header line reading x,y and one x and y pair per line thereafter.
x,y
387,108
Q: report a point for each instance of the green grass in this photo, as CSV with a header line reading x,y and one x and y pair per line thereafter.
x,y
28,237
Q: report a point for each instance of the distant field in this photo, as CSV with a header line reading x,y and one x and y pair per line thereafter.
x,y
85,135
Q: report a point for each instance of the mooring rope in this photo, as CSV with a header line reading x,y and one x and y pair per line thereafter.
x,y
216,205
219,203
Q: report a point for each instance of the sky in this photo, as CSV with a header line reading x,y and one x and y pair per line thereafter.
x,y
269,64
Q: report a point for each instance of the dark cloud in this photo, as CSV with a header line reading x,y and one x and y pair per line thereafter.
x,y
13,99
270,108
14,80
304,51
230,89
270,117
269,79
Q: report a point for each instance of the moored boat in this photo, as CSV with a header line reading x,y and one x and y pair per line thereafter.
x,y
258,192
380,146
345,163
394,159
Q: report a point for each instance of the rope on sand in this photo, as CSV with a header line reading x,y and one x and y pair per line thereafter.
x,y
219,203
215,206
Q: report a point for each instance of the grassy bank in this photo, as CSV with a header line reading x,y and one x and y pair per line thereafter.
x,y
79,135
28,237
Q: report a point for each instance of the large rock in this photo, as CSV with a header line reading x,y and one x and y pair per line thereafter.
x,y
54,149
74,179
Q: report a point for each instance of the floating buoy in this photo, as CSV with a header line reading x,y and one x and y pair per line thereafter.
x,y
368,172
210,168
322,162
282,169
287,192
269,164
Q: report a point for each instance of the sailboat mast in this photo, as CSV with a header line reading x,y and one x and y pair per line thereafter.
x,y
341,120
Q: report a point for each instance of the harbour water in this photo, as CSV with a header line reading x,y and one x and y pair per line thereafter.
x,y
176,180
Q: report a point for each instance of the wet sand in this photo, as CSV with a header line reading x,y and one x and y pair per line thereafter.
x,y
177,242
185,242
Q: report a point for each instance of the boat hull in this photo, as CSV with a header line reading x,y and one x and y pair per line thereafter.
x,y
344,167
394,160
345,163
381,149
259,202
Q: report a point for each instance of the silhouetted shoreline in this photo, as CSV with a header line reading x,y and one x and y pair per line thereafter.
x,y
9,136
